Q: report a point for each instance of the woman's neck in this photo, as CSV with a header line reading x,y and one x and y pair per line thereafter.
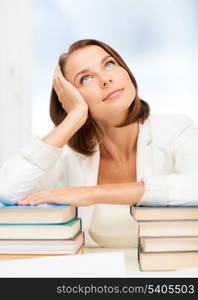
x,y
119,144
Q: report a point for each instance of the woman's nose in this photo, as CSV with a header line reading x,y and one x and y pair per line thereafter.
x,y
106,81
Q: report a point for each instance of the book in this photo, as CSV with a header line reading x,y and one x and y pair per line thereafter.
x,y
28,231
39,214
168,244
167,237
167,261
23,256
5,201
63,246
167,228
150,213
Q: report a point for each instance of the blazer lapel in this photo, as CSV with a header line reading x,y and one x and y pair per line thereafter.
x,y
90,166
144,158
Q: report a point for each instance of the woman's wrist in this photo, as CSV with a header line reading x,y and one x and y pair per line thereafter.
x,y
66,129
79,115
129,193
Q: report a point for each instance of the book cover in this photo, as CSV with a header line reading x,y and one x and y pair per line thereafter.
x,y
66,230
43,213
36,247
168,244
23,256
167,261
167,228
149,213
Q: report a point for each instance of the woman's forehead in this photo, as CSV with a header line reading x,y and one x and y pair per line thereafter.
x,y
84,58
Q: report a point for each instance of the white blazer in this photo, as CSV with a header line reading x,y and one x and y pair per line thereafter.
x,y
167,162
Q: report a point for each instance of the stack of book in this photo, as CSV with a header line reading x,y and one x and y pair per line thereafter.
x,y
40,230
167,237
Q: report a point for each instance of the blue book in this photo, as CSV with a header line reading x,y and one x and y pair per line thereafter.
x,y
21,231
38,214
5,201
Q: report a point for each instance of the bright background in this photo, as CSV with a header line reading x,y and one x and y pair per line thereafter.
x,y
157,39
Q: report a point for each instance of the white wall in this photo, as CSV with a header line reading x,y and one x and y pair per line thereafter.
x,y
156,38
15,75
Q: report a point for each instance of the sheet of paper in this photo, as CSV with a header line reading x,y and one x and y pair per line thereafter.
x,y
109,264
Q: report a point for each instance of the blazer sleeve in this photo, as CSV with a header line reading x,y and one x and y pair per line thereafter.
x,y
180,187
36,167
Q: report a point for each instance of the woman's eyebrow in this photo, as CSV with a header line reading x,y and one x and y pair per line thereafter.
x,y
87,70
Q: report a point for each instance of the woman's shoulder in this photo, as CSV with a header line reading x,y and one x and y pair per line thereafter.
x,y
172,121
168,126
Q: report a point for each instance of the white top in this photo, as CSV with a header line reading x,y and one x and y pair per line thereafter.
x,y
112,226
167,162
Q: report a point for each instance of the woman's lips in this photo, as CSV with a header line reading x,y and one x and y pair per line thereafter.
x,y
114,94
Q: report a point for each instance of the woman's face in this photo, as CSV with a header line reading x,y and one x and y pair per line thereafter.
x,y
96,74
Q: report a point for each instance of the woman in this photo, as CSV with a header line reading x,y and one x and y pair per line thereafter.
x,y
106,151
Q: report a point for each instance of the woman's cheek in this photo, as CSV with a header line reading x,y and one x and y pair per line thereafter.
x,y
128,82
85,94
90,95
124,74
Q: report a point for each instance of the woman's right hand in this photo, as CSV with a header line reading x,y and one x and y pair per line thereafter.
x,y
70,98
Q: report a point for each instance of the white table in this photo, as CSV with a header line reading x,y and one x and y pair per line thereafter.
x,y
132,265
95,262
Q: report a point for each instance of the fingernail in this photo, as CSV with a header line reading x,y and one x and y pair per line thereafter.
x,y
20,202
24,202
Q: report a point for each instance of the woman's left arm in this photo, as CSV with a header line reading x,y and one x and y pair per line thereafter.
x,y
116,193
178,188
181,186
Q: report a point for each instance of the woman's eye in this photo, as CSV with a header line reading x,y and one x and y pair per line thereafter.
x,y
86,78
83,79
110,63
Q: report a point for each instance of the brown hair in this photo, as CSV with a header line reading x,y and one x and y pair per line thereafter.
x,y
85,139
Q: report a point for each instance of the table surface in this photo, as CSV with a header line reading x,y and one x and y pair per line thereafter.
x,y
132,265
123,264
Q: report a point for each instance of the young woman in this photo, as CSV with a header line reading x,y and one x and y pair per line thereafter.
x,y
106,151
